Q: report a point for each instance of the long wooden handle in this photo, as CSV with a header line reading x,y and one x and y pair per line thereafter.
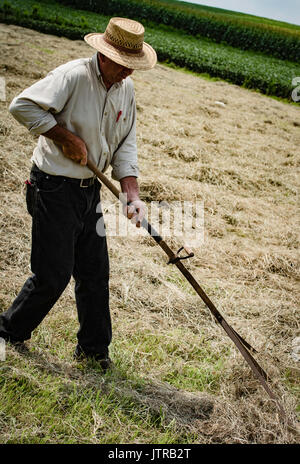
x,y
103,179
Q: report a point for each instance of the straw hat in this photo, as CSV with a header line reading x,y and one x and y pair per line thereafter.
x,y
123,42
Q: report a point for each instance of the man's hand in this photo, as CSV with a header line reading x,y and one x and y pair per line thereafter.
x,y
76,150
73,147
136,211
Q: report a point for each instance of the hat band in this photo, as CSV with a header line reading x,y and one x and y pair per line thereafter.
x,y
131,51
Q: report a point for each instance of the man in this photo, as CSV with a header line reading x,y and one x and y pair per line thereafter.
x,y
84,108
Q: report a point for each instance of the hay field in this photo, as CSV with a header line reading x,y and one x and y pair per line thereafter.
x,y
178,377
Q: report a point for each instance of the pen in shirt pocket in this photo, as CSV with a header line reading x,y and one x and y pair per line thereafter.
x,y
119,115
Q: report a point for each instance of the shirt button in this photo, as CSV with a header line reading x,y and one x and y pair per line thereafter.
x,y
105,114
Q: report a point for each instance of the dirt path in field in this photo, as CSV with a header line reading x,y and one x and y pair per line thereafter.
x,y
236,151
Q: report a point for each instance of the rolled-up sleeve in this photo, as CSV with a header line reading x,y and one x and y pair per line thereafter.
x,y
124,162
35,106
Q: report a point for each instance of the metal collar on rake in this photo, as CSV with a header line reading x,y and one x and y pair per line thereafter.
x,y
177,258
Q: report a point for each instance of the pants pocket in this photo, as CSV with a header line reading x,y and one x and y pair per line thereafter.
x,y
49,184
30,197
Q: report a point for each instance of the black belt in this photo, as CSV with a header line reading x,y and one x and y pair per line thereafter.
x,y
81,182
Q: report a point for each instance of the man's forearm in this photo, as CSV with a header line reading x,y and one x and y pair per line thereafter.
x,y
130,186
73,147
59,135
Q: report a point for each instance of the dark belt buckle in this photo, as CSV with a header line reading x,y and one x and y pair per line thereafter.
x,y
87,182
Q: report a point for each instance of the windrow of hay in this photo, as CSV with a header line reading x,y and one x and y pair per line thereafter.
x,y
241,159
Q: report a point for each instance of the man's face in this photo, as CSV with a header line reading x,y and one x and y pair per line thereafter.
x,y
112,72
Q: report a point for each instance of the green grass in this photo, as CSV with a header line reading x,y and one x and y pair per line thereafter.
x,y
236,14
291,380
188,364
280,41
208,77
55,13
47,407
249,69
46,397
44,402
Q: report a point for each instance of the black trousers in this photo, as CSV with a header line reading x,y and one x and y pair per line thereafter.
x,y
64,243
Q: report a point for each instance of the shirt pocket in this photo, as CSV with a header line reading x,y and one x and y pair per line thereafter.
x,y
118,131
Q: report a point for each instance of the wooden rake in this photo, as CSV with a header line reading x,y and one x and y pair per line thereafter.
x,y
176,258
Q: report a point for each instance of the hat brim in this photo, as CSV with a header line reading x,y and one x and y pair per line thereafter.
x,y
144,60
